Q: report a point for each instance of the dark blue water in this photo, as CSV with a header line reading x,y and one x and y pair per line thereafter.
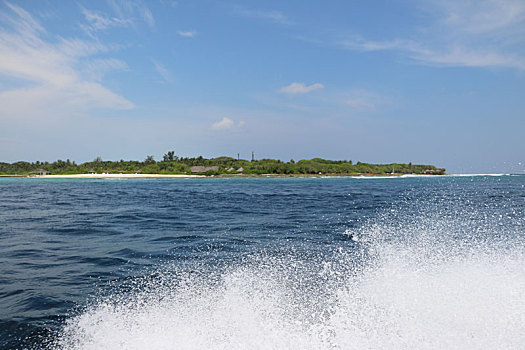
x,y
262,263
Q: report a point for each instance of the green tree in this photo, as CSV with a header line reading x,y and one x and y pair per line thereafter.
x,y
149,160
169,157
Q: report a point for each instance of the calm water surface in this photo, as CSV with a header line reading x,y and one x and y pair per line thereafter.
x,y
269,263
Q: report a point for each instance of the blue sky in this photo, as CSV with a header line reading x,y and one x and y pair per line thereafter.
x,y
435,82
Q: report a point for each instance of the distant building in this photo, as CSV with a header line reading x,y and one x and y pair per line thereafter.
x,y
40,172
240,170
203,169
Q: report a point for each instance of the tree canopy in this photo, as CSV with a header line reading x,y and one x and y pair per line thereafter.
x,y
172,164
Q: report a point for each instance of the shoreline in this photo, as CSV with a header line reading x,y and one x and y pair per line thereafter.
x,y
137,176
110,176
181,176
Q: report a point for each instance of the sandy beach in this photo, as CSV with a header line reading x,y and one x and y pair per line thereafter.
x,y
136,176
106,176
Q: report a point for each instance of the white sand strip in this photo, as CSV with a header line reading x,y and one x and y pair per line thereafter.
x,y
108,176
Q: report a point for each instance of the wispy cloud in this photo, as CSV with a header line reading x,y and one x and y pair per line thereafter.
x,y
97,68
163,71
24,21
360,103
363,100
483,16
457,55
97,21
273,16
187,34
226,124
51,70
460,56
132,9
300,88
169,3
364,45
485,33
148,17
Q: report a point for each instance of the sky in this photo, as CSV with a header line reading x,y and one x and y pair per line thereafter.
x,y
429,82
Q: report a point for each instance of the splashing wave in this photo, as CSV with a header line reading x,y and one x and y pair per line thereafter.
x,y
430,278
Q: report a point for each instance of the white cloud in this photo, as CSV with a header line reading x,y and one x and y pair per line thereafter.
x,y
132,9
188,34
274,16
50,70
226,124
97,68
360,103
163,72
25,22
363,100
98,21
484,33
300,88
458,56
48,101
169,3
148,17
363,45
483,16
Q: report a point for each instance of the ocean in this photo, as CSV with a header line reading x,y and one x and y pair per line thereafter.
x,y
263,263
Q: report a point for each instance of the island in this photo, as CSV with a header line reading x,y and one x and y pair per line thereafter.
x,y
220,166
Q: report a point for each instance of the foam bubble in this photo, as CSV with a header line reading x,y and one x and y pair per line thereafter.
x,y
430,279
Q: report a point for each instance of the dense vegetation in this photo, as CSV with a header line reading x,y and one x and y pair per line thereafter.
x,y
172,164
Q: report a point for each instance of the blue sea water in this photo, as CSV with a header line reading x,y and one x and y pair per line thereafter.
x,y
263,263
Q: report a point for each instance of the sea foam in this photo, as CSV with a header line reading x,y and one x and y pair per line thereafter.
x,y
437,278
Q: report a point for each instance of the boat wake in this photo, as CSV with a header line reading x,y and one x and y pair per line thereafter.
x,y
427,279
